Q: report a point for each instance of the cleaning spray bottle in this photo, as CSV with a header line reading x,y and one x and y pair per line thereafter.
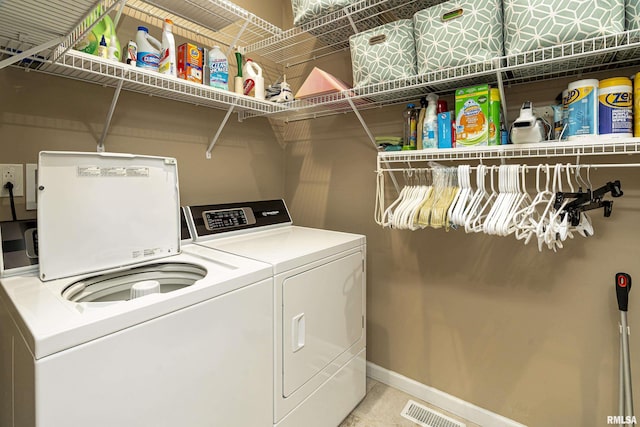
x,y
253,80
113,50
238,84
148,55
218,69
430,128
167,62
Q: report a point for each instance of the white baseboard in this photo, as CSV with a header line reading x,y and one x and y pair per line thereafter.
x,y
439,398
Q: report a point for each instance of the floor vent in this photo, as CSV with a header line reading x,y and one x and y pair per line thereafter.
x,y
426,417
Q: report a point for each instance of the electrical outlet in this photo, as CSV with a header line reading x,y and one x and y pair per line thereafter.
x,y
13,174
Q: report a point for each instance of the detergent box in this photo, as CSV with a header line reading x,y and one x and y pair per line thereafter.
x,y
472,116
190,60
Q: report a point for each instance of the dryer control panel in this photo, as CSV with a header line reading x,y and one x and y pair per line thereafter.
x,y
226,218
211,220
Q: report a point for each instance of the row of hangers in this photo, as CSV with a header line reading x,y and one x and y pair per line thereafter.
x,y
444,197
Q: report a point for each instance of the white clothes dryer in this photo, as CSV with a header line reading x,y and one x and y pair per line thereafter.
x,y
319,305
119,325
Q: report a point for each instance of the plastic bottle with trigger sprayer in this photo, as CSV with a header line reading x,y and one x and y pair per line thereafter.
x,y
148,55
252,76
430,129
167,62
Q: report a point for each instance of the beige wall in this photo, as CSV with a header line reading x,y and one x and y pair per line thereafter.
x,y
42,112
531,336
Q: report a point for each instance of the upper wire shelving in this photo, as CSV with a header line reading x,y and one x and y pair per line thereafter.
x,y
46,31
594,146
330,33
591,55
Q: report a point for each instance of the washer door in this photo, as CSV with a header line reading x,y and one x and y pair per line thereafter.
x,y
322,316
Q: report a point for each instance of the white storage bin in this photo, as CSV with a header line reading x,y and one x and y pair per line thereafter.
x,y
536,24
305,11
384,53
458,32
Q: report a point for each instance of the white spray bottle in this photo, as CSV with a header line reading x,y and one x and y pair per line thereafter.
x,y
430,129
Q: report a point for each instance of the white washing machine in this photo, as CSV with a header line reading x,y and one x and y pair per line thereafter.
x,y
319,303
118,326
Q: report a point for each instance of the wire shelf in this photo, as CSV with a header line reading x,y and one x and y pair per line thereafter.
x,y
92,69
591,55
584,147
208,16
330,33
26,24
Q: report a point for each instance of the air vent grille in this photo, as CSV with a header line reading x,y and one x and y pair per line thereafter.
x,y
426,417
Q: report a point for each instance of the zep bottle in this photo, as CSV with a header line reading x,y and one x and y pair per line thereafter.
x,y
252,79
148,55
582,100
615,113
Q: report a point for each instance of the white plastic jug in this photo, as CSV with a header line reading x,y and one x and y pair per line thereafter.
x,y
167,63
148,49
252,79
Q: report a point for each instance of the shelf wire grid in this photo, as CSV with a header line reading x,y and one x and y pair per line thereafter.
x,y
591,55
595,146
25,24
90,68
214,16
330,33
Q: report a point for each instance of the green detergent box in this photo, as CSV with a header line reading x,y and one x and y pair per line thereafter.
x,y
472,116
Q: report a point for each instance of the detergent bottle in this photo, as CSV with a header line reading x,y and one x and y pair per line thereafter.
x,y
91,43
252,79
148,55
167,62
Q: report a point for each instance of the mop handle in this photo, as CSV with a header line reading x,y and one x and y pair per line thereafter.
x,y
623,287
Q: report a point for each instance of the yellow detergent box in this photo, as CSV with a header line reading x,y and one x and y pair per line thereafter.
x,y
472,116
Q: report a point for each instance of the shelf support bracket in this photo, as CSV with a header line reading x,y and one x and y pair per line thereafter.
x,y
237,37
371,138
107,123
116,20
503,100
34,50
353,24
219,131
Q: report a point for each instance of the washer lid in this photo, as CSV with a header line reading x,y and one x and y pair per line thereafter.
x,y
104,210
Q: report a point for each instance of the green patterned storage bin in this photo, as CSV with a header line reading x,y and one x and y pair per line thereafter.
x,y
632,15
458,32
536,24
384,53
307,10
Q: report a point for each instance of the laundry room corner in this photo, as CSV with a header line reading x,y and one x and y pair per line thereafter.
x,y
528,335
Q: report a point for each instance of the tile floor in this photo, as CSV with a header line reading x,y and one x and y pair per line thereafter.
x,y
382,405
